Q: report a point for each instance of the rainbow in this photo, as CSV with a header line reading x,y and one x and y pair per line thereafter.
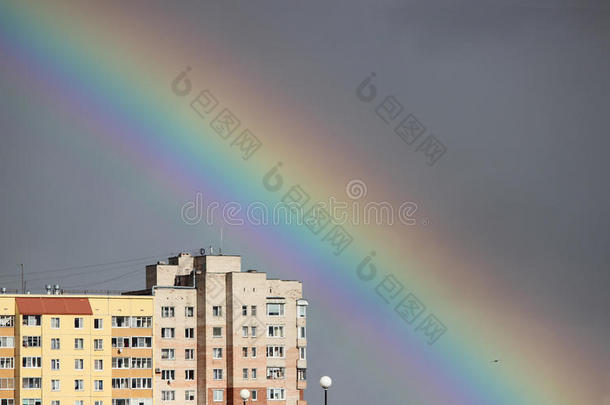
x,y
111,77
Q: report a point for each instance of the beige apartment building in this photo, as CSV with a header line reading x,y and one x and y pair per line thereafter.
x,y
218,330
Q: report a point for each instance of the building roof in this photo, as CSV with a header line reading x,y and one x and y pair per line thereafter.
x,y
54,306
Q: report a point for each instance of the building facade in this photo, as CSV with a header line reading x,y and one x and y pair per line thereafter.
x,y
200,332
57,350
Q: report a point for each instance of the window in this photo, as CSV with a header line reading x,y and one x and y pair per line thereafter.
x,y
168,333
120,322
55,385
254,395
120,383
168,354
217,331
244,331
7,321
141,322
168,395
275,309
78,323
79,402
302,332
302,353
7,383
254,351
141,362
79,385
244,373
275,331
31,320
142,383
98,344
253,372
217,310
7,341
302,374
79,364
253,331
31,382
302,311
98,385
218,395
121,342
98,364
253,310
98,323
139,342
244,351
276,373
189,395
217,353
189,312
31,362
79,344
217,373
54,364
189,375
7,362
120,362
189,354
55,344
120,401
276,393
189,333
55,323
95,403
168,375
53,402
244,310
167,312
30,401
31,341
275,351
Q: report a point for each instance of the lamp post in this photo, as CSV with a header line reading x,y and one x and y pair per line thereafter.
x,y
244,394
326,382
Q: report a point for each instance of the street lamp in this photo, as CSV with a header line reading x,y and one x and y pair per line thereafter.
x,y
244,394
326,382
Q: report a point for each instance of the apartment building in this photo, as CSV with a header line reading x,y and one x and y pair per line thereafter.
x,y
219,330
60,350
200,332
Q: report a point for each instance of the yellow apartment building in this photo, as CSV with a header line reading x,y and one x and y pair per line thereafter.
x,y
76,350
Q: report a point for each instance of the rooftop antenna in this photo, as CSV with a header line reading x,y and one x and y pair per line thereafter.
x,y
22,280
220,249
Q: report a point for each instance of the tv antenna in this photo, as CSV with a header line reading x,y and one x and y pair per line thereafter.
x,y
220,249
22,280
